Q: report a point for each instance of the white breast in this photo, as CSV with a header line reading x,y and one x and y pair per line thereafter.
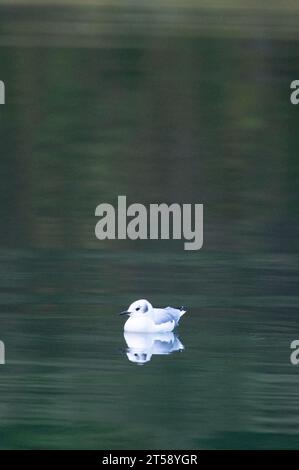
x,y
145,324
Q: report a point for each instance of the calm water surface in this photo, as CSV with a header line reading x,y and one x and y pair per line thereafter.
x,y
68,381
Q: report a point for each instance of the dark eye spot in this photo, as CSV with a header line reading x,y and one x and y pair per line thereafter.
x,y
138,308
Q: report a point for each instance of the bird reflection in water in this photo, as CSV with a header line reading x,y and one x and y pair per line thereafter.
x,y
142,346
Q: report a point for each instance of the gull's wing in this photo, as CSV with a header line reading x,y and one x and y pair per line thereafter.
x,y
168,314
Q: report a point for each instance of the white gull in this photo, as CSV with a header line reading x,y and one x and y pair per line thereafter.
x,y
144,318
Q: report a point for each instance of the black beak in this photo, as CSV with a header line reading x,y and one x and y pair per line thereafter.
x,y
125,313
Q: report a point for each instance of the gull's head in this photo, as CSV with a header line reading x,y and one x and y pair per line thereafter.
x,y
139,307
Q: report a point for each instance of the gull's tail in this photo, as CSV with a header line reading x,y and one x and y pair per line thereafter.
x,y
176,313
182,311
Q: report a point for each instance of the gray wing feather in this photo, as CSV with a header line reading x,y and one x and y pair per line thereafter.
x,y
168,314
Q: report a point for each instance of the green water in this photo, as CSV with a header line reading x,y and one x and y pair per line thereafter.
x,y
188,118
69,384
